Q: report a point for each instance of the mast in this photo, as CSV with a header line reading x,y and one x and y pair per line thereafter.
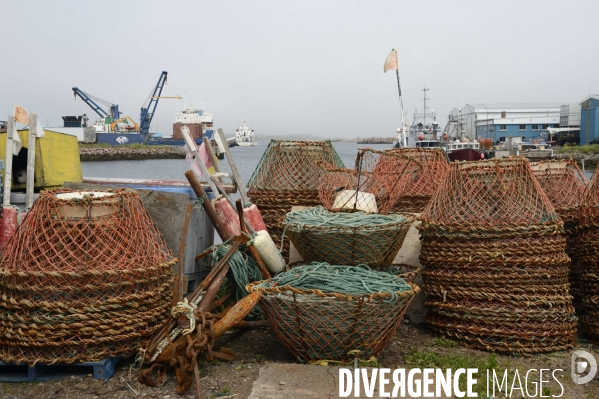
x,y
403,125
424,113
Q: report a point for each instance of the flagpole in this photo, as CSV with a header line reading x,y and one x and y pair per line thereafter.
x,y
403,127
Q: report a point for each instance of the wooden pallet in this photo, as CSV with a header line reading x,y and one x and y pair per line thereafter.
x,y
101,370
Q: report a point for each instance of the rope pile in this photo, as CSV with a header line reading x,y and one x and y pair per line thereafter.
x,y
379,178
564,184
588,255
320,311
419,190
85,277
288,175
347,238
496,268
243,270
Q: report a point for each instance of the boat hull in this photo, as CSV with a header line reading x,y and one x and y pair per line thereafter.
x,y
466,154
119,138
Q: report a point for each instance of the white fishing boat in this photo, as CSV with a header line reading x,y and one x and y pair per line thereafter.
x,y
244,136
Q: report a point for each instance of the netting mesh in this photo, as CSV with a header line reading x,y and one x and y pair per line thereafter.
x,y
419,190
379,178
494,193
86,276
322,323
288,175
293,165
564,184
587,256
347,238
496,268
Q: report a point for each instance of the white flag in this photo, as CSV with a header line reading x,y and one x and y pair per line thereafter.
x,y
391,61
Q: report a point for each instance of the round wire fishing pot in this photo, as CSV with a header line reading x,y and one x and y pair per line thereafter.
x,y
86,276
348,239
317,325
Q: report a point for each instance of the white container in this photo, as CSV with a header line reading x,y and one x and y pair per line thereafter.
x,y
269,252
346,199
97,209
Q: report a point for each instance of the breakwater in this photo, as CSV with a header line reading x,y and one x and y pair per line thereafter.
x,y
90,154
376,140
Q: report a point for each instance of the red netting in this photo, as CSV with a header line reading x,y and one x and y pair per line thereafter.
x,y
494,193
588,211
496,267
90,271
586,270
418,192
563,183
379,178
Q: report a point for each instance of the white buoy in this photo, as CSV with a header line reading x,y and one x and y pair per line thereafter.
x,y
346,199
269,252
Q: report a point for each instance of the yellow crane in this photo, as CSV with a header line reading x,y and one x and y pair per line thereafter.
x,y
135,127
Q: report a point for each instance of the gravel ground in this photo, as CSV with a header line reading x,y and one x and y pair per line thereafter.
x,y
256,348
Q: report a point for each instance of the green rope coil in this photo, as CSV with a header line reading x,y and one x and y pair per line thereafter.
x,y
243,270
319,216
348,280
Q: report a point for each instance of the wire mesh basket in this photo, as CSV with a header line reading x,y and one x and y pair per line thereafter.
x,y
349,239
314,324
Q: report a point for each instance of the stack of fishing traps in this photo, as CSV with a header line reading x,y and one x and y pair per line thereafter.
x,y
588,256
287,176
86,276
496,267
564,184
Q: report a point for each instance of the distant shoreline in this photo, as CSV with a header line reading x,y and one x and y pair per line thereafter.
x,y
125,153
376,140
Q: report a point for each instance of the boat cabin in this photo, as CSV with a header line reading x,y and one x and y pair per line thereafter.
x,y
461,146
428,144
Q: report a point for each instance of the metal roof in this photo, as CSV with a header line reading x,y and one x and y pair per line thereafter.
x,y
593,96
508,106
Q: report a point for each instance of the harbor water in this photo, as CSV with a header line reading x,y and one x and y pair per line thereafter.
x,y
246,158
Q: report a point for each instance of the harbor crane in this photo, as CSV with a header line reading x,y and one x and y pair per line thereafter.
x,y
147,113
89,100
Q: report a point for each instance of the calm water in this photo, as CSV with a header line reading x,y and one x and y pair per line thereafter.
x,y
174,169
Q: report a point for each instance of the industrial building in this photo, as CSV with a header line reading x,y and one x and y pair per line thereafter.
x,y
589,119
497,121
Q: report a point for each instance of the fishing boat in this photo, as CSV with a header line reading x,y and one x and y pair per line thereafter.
x,y
244,136
464,151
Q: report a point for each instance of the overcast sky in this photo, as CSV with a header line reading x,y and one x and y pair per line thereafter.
x,y
295,66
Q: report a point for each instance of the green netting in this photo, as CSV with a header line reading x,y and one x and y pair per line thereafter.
x,y
347,238
293,165
320,311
